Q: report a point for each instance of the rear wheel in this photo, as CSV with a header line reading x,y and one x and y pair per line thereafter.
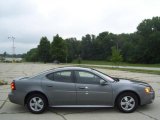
x,y
36,103
127,102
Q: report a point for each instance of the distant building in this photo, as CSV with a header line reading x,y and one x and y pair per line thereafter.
x,y
7,59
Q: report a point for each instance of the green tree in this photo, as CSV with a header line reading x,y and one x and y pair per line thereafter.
x,y
73,48
142,46
130,47
149,44
87,47
116,55
32,55
44,50
103,44
58,49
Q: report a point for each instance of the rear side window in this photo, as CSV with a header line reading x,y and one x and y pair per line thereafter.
x,y
62,76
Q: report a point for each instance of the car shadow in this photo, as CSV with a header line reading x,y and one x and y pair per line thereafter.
x,y
73,110
13,108
144,108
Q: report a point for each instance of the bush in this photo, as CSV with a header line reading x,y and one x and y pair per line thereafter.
x,y
2,82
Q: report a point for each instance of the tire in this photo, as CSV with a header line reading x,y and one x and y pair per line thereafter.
x,y
37,103
127,102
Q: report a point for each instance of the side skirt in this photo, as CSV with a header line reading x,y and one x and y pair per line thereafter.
x,y
91,106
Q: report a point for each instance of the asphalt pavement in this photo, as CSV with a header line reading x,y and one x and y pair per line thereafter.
x,y
10,111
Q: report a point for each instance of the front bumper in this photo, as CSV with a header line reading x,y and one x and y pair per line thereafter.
x,y
148,98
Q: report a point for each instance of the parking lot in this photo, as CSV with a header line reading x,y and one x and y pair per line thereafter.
x,y
10,111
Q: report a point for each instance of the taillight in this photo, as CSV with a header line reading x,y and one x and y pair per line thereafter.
x,y
13,87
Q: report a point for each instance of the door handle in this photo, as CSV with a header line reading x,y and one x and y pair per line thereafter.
x,y
49,86
83,87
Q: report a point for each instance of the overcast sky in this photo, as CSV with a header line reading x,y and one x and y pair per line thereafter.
x,y
29,20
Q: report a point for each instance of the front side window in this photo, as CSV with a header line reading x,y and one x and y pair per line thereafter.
x,y
85,77
104,75
61,76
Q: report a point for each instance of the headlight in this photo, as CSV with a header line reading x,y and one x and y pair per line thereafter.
x,y
147,89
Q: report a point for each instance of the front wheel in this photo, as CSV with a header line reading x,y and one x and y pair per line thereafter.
x,y
36,103
127,102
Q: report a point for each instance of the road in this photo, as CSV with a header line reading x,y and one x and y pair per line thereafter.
x,y
10,111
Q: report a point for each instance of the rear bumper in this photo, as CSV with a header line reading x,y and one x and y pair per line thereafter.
x,y
14,98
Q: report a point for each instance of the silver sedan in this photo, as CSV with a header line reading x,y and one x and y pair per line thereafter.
x,y
79,87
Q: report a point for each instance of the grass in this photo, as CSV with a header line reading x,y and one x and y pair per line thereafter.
x,y
96,62
126,69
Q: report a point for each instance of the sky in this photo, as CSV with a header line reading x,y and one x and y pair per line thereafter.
x,y
29,20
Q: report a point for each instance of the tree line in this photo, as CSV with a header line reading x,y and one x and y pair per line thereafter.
x,y
142,46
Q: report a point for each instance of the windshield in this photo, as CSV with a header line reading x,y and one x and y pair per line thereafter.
x,y
104,75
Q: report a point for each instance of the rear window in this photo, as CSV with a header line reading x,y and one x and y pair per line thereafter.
x,y
61,76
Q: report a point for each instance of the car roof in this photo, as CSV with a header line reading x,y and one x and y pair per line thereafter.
x,y
71,68
61,69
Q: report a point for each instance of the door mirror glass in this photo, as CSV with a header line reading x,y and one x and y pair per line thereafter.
x,y
103,82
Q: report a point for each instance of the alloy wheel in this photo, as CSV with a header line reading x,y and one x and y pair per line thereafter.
x,y
36,104
127,103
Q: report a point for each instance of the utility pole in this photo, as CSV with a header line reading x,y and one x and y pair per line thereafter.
x,y
13,47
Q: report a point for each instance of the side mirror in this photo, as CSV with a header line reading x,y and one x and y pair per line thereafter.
x,y
103,82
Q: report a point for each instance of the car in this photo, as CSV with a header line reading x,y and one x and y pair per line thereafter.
x,y
79,87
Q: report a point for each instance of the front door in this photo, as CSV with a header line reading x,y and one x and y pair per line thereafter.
x,y
90,91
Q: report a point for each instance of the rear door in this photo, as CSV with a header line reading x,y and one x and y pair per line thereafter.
x,y
89,90
60,88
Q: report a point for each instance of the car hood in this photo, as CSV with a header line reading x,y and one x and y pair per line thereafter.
x,y
132,82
